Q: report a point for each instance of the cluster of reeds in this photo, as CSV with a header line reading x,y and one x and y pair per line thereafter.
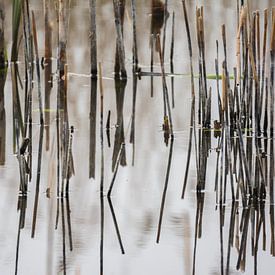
x,y
65,164
23,21
244,130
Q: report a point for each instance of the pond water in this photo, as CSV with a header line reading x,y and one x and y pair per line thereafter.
x,y
141,179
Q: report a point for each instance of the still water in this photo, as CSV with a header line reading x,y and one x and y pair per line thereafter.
x,y
139,183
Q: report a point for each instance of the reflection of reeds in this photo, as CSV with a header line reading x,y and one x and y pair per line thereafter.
x,y
120,85
93,100
116,169
101,170
63,235
21,207
198,224
133,122
165,189
152,64
38,176
116,225
93,108
41,135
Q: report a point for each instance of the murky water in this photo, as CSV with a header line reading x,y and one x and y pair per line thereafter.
x,y
139,183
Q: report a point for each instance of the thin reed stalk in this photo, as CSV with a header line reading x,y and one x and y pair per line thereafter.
x,y
3,75
38,177
93,37
116,226
101,170
135,47
37,69
172,60
47,71
165,189
92,143
192,118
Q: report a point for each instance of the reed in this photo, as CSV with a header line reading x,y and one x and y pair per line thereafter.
x,y
16,18
192,118
120,86
152,64
93,116
93,38
38,177
165,189
108,128
167,115
3,75
93,100
119,7
133,122
29,76
37,69
47,70
165,15
116,226
63,223
135,47
172,60
101,170
69,222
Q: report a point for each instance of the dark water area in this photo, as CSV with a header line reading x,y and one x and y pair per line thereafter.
x,y
101,173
